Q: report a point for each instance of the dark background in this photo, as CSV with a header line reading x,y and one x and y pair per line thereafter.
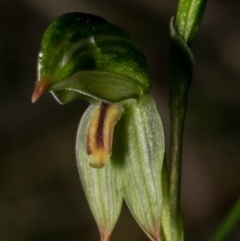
x,y
40,193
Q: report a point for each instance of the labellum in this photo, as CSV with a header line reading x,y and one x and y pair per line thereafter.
x,y
100,133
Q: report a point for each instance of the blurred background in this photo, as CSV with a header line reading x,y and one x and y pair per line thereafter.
x,y
40,193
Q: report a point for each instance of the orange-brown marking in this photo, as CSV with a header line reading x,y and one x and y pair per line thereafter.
x,y
100,133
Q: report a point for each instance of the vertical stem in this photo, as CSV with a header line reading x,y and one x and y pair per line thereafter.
x,y
181,72
183,30
178,105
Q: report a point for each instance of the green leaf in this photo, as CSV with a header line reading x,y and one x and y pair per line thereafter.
x,y
139,148
182,62
188,18
79,42
100,185
183,50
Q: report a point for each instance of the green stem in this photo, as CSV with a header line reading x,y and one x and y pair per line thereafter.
x,y
183,30
181,72
228,223
178,106
177,125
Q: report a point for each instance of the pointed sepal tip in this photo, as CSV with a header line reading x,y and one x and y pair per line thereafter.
x,y
39,89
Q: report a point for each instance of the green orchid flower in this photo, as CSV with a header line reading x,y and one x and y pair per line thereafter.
x,y
120,141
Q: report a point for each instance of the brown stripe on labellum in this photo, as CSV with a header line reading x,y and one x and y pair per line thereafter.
x,y
100,133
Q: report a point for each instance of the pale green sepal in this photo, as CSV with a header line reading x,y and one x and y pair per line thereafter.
x,y
142,152
100,185
100,85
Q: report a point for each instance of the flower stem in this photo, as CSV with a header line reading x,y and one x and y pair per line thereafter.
x,y
182,30
180,82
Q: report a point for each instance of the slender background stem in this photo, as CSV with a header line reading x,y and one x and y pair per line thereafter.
x,y
228,224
